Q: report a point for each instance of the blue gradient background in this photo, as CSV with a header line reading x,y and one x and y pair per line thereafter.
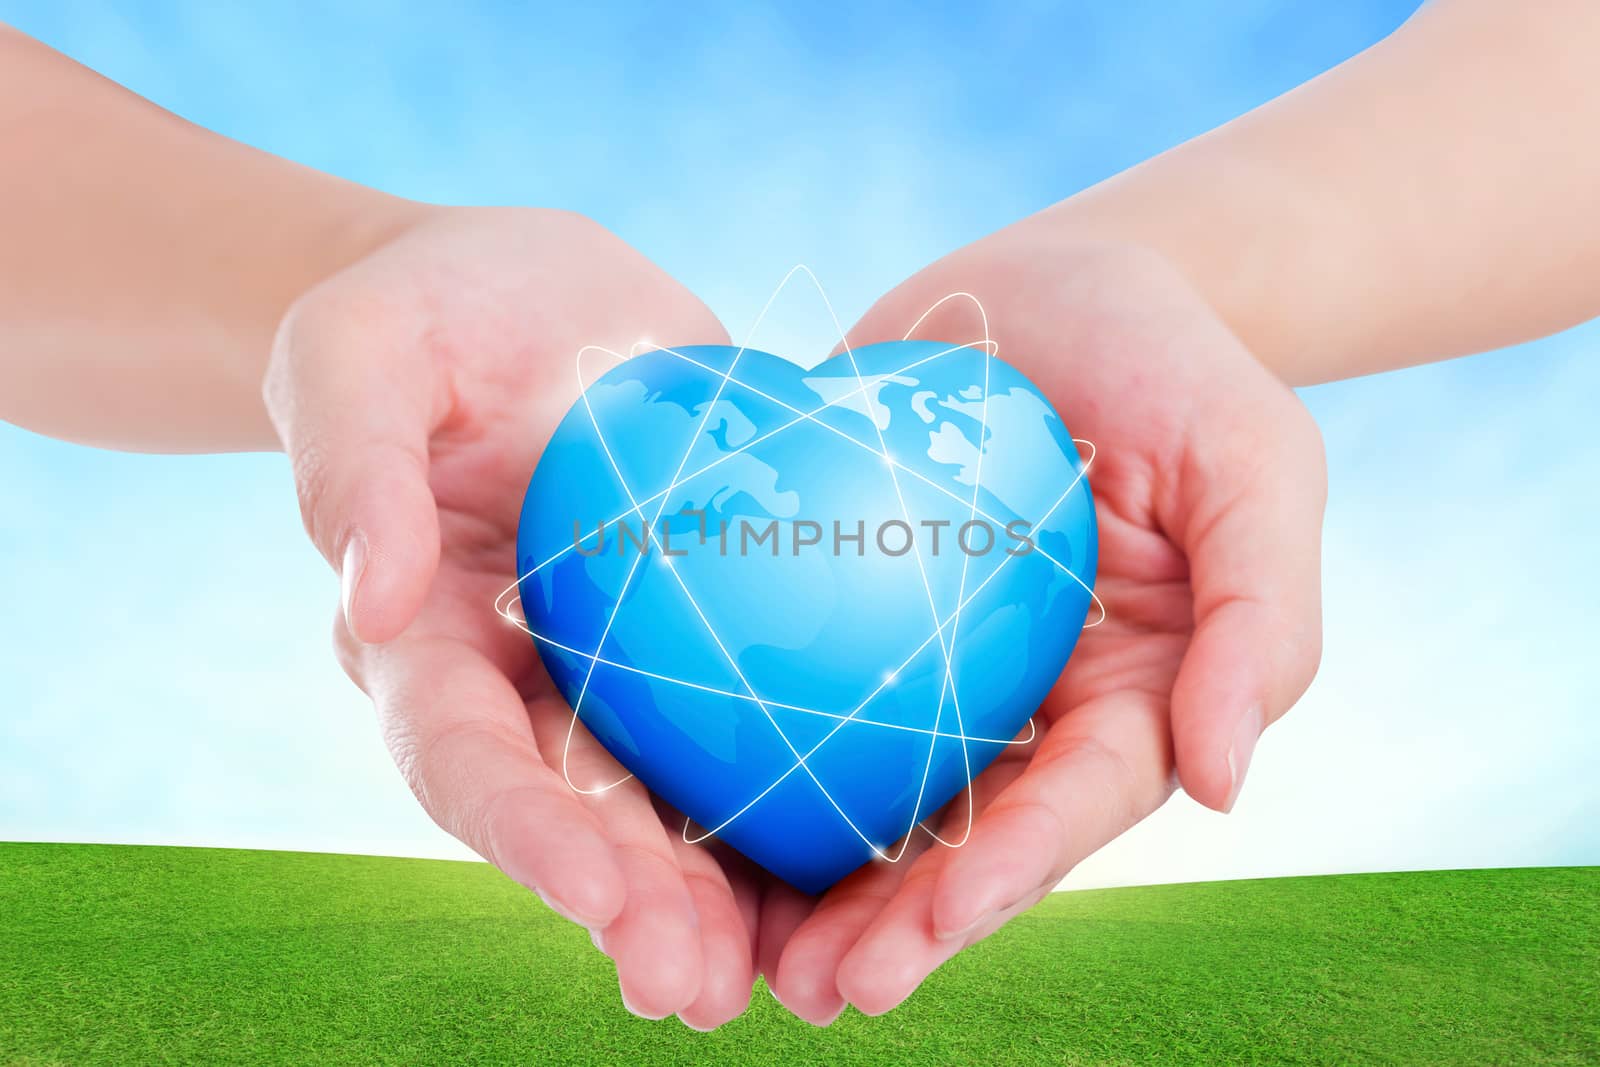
x,y
164,665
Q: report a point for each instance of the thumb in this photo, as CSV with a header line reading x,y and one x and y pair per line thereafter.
x,y
354,405
1255,570
943,301
908,311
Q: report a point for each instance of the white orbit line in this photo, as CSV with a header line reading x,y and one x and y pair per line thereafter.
x,y
733,663
955,628
501,601
1032,728
616,607
947,683
922,570
943,300
853,716
905,511
504,607
517,619
521,623
989,354
807,416
723,457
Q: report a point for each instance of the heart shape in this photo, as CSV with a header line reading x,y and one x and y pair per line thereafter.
x,y
732,568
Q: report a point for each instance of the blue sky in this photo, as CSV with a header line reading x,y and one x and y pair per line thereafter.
x,y
163,642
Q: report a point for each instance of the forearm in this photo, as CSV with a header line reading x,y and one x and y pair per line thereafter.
x,y
1431,197
145,262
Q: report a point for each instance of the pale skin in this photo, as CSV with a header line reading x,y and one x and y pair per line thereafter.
x,y
164,289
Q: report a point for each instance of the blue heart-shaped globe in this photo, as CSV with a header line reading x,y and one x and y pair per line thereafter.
x,y
806,607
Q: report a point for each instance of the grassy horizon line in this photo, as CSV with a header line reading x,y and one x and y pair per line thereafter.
x,y
479,861
191,954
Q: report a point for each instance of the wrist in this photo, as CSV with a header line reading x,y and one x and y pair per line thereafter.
x,y
347,225
344,226
1247,236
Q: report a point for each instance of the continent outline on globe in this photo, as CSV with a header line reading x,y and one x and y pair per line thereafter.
x,y
755,691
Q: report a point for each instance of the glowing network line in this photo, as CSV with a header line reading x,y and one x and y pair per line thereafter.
x,y
711,690
711,631
725,456
966,560
508,603
933,607
810,416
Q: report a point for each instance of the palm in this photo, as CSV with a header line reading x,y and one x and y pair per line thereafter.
x,y
477,318
1192,437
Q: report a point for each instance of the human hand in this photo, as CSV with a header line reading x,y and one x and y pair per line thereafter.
x,y
1209,486
414,392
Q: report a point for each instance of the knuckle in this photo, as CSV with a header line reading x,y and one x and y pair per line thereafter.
x,y
312,470
278,381
581,225
577,227
1304,437
309,316
1303,649
285,384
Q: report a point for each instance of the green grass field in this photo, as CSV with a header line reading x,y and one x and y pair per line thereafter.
x,y
157,955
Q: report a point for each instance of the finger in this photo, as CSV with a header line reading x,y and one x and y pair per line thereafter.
x,y
806,980
749,883
655,941
892,952
459,733
895,958
783,909
1099,770
1255,566
352,393
725,941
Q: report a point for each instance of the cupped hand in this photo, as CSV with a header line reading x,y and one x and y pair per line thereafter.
x,y
414,392
1209,487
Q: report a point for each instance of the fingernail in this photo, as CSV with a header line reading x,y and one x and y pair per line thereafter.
x,y
1245,735
566,913
641,1014
828,1020
350,571
952,935
986,916
987,903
